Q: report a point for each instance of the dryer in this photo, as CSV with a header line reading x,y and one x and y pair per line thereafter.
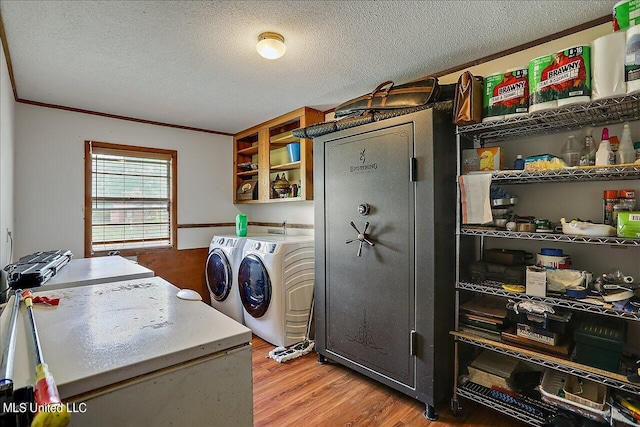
x,y
276,282
221,272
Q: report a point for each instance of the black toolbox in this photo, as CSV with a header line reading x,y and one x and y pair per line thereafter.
x,y
552,322
35,269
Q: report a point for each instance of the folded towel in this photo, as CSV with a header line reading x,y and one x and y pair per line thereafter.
x,y
475,193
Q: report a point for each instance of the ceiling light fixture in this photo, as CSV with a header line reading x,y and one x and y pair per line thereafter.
x,y
271,45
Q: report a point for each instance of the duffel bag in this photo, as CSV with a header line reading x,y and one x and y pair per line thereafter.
x,y
387,96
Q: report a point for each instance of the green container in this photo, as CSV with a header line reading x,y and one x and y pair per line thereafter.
x,y
599,343
241,225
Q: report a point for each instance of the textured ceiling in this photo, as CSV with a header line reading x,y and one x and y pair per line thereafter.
x,y
195,64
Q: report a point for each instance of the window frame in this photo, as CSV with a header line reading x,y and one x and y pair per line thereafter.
x,y
88,181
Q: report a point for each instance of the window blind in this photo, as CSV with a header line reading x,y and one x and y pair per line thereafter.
x,y
130,199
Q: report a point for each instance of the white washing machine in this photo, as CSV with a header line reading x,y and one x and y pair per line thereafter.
x,y
221,272
276,279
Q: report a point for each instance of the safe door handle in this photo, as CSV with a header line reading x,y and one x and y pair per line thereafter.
x,y
362,237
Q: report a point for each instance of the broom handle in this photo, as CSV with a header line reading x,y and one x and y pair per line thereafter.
x,y
306,336
8,353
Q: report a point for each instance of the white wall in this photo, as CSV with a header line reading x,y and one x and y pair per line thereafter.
x,y
7,136
49,176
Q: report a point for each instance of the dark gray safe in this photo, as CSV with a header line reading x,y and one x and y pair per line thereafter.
x,y
385,210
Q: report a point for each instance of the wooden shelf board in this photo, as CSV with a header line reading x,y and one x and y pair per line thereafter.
x,y
285,167
533,353
248,173
287,199
246,202
248,151
283,138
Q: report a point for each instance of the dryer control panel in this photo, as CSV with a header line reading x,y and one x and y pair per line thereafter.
x,y
264,247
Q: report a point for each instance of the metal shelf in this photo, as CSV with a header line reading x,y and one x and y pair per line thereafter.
x,y
576,174
607,378
596,113
494,288
480,394
556,237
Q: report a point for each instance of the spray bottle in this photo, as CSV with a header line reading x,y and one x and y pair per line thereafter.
x,y
626,153
605,156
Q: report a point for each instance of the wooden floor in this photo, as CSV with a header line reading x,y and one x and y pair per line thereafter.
x,y
302,392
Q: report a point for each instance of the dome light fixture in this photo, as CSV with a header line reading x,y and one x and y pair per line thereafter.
x,y
271,45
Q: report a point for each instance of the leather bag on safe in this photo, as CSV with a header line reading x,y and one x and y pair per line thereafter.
x,y
387,96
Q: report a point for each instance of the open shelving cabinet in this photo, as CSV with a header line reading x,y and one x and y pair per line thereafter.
x,y
469,238
262,150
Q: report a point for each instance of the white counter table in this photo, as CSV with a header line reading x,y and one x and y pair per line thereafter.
x,y
137,355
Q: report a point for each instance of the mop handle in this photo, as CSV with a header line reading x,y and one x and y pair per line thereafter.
x,y
51,412
8,353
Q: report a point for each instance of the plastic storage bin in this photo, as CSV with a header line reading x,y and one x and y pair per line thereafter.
x,y
552,389
585,392
599,344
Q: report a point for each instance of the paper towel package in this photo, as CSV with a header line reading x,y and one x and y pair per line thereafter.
x,y
571,75
608,66
632,59
541,93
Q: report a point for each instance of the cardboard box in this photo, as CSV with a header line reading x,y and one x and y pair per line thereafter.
x,y
482,159
536,281
629,225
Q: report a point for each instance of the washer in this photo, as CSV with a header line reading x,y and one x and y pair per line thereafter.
x,y
276,280
221,272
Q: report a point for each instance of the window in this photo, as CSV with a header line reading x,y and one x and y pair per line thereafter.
x,y
130,198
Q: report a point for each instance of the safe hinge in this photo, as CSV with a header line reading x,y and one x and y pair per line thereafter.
x,y
413,169
414,343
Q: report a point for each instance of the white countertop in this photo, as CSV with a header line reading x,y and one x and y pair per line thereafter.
x,y
91,271
106,333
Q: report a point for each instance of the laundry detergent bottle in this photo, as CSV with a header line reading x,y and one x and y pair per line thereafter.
x,y
605,156
241,225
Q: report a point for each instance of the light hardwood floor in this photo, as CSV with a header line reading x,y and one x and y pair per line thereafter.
x,y
302,392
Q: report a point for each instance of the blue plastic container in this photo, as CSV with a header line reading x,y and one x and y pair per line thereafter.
x,y
294,152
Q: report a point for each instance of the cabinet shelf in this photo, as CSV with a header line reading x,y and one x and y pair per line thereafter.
x,y
587,372
596,113
264,144
556,237
247,173
248,151
283,139
590,173
285,167
495,288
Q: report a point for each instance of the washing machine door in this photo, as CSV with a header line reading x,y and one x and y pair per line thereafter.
x,y
218,274
254,285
